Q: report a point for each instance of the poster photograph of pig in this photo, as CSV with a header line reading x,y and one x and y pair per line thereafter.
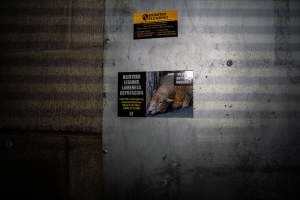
x,y
155,94
169,94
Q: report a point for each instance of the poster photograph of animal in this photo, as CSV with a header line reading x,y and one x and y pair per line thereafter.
x,y
155,94
169,94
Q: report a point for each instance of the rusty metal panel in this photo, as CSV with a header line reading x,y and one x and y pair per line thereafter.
x,y
243,142
52,90
54,24
51,65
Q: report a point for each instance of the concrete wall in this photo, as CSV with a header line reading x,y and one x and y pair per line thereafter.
x,y
243,142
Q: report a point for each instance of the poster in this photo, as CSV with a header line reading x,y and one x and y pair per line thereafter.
x,y
155,94
155,24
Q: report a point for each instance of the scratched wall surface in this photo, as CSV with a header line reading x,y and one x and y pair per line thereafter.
x,y
244,139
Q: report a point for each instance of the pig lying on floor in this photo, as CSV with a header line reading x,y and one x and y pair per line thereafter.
x,y
168,95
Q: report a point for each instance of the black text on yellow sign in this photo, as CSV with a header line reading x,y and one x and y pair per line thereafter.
x,y
155,24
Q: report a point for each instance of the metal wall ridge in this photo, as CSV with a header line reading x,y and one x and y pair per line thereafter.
x,y
51,79
71,96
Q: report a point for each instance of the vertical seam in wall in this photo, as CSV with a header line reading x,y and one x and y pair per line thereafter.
x,y
102,91
102,64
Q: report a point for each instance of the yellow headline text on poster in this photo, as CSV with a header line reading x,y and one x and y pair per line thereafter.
x,y
150,17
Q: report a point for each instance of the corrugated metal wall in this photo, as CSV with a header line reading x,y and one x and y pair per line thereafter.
x,y
51,65
243,142
51,99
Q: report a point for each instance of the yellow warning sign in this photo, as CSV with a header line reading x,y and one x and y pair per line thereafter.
x,y
155,24
150,17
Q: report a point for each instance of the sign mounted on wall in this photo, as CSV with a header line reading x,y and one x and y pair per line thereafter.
x,y
155,94
155,24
